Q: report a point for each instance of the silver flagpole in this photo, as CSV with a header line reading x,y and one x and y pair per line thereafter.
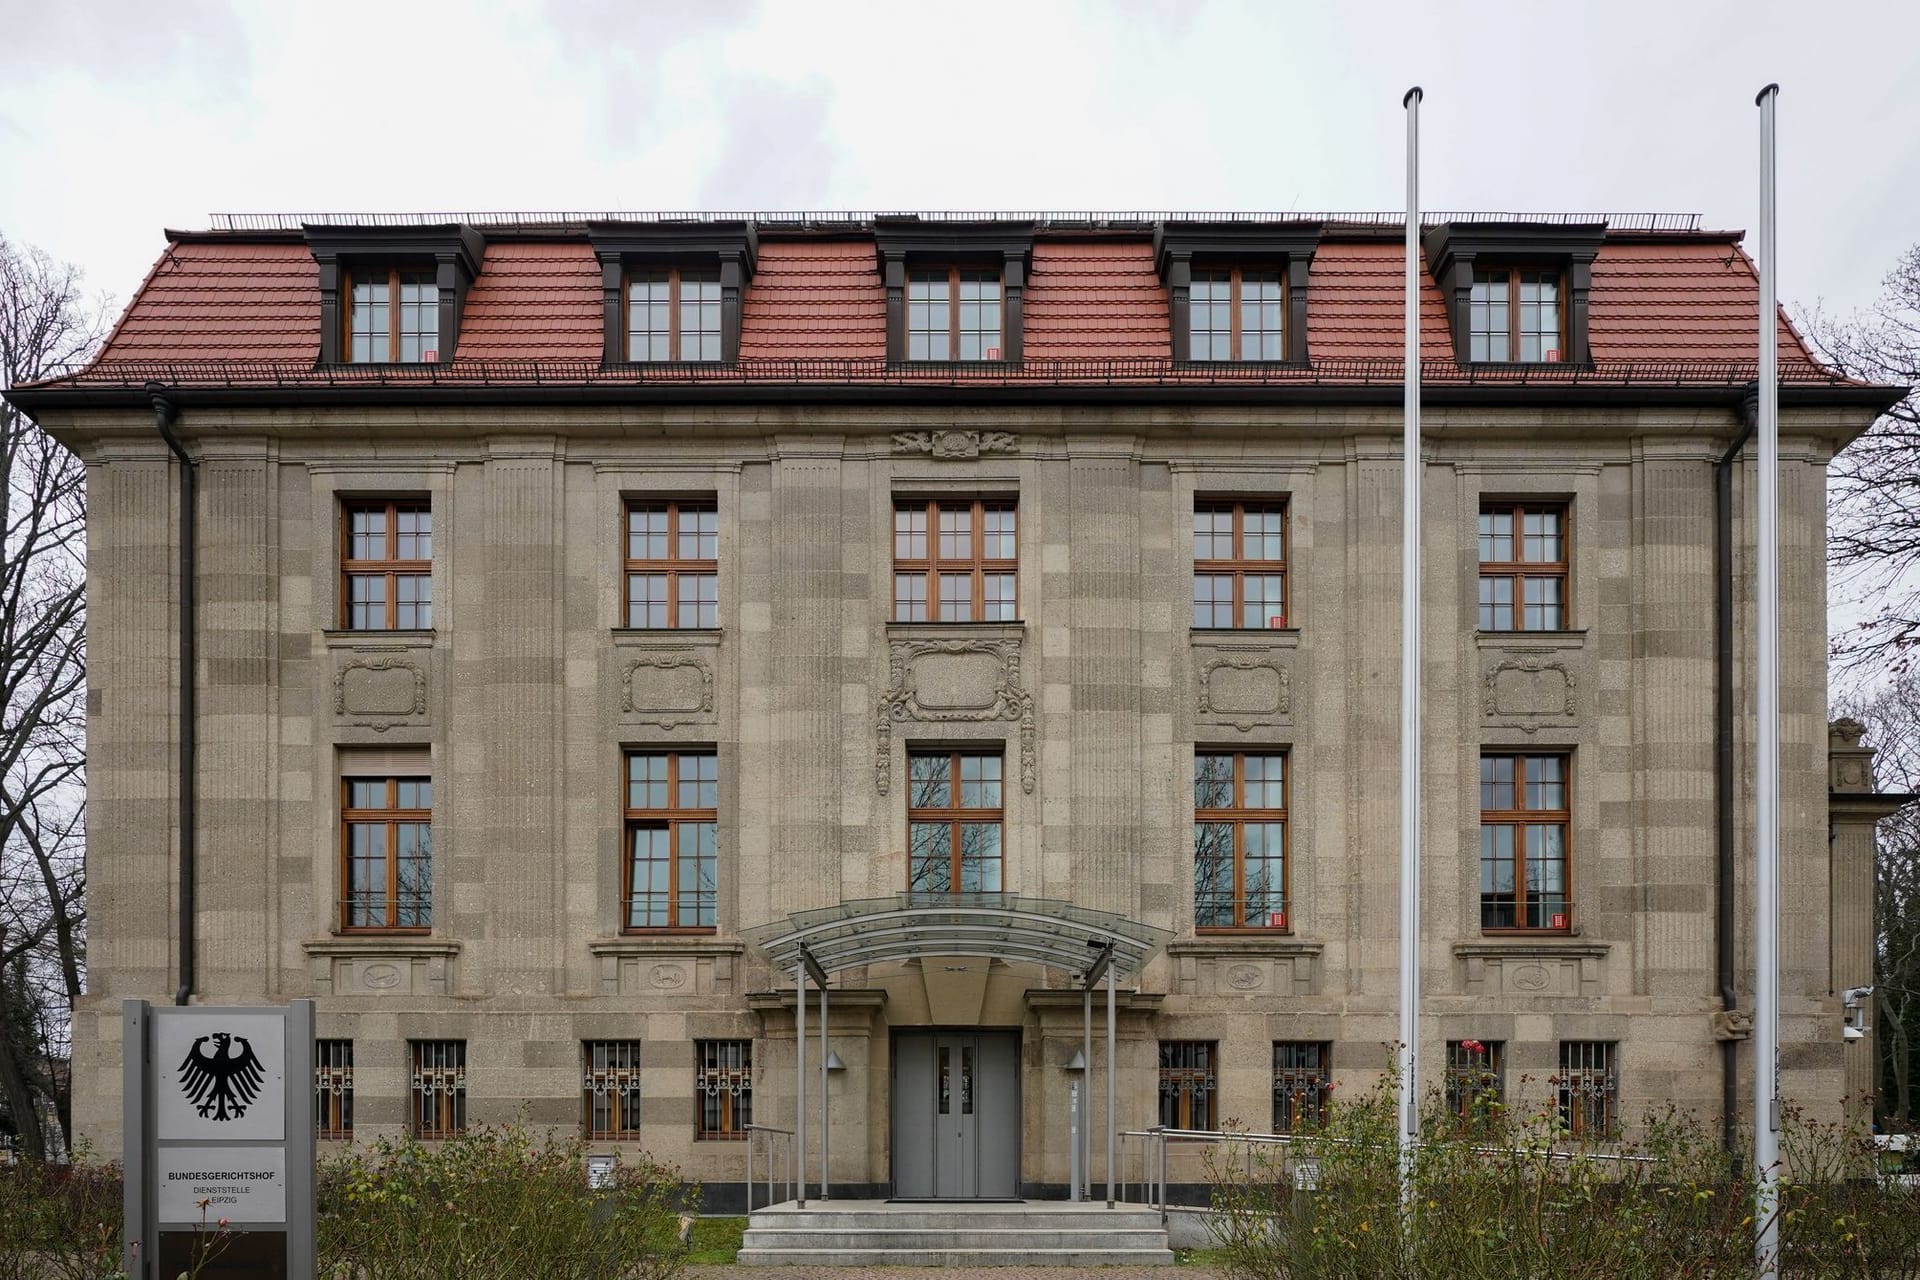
x,y
1410,681
1766,773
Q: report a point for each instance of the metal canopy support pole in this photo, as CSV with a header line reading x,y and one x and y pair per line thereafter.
x,y
1112,1125
1410,532
800,1083
1086,1091
1766,738
825,1136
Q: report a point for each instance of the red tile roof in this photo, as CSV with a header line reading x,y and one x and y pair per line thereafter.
x,y
245,307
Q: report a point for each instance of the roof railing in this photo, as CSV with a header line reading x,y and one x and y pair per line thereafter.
x,y
1045,218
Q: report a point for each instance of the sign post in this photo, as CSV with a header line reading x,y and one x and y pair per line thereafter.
x,y
219,1139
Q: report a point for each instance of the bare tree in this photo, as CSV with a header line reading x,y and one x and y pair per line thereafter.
x,y
45,324
1874,486
1892,720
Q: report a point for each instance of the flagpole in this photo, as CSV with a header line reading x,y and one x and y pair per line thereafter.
x,y
1410,679
1766,773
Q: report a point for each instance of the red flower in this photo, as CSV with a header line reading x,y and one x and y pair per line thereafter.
x,y
1473,1046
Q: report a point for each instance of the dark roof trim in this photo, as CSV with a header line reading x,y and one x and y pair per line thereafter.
x,y
467,245
33,400
676,241
454,249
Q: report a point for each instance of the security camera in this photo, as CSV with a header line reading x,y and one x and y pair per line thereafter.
x,y
1853,1013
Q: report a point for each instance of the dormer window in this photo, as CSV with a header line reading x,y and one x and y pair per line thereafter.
x,y
393,295
1515,315
954,314
674,313
1516,292
1238,290
956,291
395,317
673,290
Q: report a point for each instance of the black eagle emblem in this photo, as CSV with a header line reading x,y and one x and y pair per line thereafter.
x,y
222,1084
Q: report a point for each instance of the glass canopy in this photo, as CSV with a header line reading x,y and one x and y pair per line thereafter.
x,y
1001,926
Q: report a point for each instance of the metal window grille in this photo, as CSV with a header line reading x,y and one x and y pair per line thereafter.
x,y
723,1088
611,1088
1301,1085
333,1088
1476,1077
1187,1083
1588,1088
439,1088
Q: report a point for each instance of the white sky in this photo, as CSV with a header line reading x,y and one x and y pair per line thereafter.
x,y
121,117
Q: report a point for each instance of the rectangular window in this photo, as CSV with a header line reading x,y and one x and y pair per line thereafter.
x,y
333,1089
394,318
388,850
722,1089
673,822
1588,1089
1514,315
1476,1079
673,314
953,313
954,818
1301,1084
610,1100
439,1088
1524,813
386,566
1237,314
1239,840
673,564
1188,1083
1240,564
1523,567
955,561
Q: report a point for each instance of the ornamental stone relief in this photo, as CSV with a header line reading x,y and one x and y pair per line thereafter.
x,y
1245,689
955,444
668,689
1530,685
385,690
949,682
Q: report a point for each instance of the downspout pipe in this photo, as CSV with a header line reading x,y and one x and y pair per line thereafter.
x,y
1723,755
165,414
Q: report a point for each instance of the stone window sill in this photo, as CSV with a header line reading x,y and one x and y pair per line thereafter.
x,y
1247,637
676,944
377,640
666,637
1500,641
1530,948
1245,945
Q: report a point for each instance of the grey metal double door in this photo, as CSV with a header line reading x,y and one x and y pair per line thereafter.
x,y
956,1115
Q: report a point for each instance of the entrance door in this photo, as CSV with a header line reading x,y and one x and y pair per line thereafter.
x,y
956,1115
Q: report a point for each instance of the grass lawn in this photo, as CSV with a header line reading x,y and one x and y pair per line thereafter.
x,y
715,1240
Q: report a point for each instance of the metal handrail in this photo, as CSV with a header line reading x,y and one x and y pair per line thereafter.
x,y
774,1136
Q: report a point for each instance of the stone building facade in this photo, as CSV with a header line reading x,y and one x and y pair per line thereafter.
x,y
582,933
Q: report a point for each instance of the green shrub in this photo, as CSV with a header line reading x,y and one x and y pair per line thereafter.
x,y
59,1222
1509,1196
494,1204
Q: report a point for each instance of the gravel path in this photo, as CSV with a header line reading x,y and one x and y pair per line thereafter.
x,y
956,1273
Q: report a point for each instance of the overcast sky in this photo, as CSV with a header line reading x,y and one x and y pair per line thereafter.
x,y
121,117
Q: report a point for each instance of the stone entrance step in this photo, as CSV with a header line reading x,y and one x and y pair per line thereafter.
x,y
856,1233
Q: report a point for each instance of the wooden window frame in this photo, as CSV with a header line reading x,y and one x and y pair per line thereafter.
x,y
447,1089
1513,273
956,815
1177,1084
675,278
421,275
392,817
730,1082
955,272
391,568
1520,818
1236,277
1485,1070
1238,815
1239,567
617,1082
977,564
673,816
333,1090
673,567
1518,571
1586,1087
1305,1108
